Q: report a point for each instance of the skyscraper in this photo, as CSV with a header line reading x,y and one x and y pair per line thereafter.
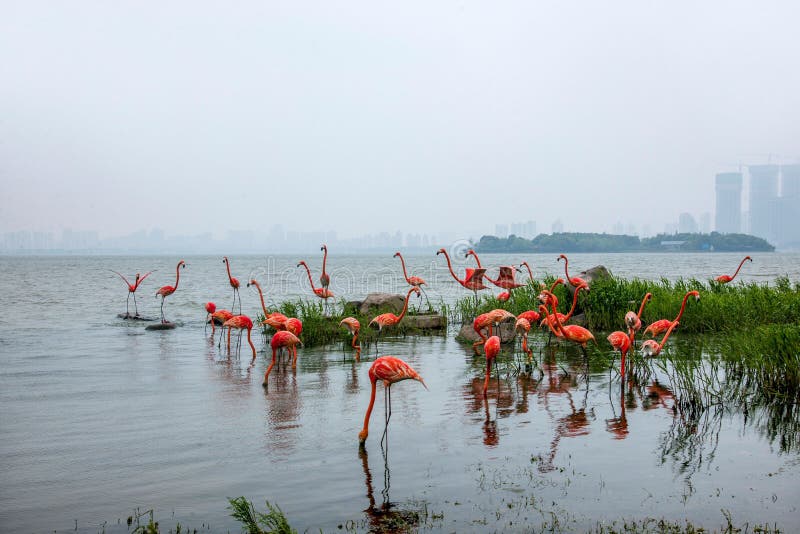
x,y
729,203
763,200
787,230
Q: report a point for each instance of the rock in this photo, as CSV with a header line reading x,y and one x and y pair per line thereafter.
x,y
467,333
160,326
382,302
134,317
426,322
595,273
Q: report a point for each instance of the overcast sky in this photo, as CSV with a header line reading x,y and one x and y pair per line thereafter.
x,y
363,117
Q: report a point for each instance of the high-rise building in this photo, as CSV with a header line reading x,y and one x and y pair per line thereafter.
x,y
787,229
729,203
763,200
686,224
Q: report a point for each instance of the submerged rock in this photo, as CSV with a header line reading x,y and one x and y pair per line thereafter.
x,y
130,317
467,333
160,326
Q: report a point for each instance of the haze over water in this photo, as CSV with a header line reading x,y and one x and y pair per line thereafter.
x,y
100,417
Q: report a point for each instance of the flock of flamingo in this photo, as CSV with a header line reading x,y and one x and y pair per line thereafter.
x,y
390,369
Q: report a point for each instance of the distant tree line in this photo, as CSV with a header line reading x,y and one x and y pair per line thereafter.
x,y
592,242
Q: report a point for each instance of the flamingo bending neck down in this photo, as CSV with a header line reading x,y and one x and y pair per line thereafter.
x,y
571,332
652,348
210,309
621,342
324,278
240,322
390,319
491,349
522,327
663,324
573,281
389,370
234,284
132,291
724,279
354,327
282,339
322,292
276,320
472,277
166,291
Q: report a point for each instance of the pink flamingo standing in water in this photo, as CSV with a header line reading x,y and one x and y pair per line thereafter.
x,y
724,279
282,339
324,278
505,279
652,348
491,349
621,342
522,327
353,326
210,309
574,281
321,292
634,320
472,277
234,284
390,319
414,281
166,291
389,370
132,291
240,322
570,332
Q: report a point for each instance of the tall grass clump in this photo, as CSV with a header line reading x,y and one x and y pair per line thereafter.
x,y
255,522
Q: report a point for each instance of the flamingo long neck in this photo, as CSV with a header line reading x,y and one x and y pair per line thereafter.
x,y
645,300
365,431
324,259
666,336
177,275
557,282
530,273
355,338
739,267
403,263
405,306
477,259
574,303
683,306
310,281
228,267
566,263
547,314
261,296
450,266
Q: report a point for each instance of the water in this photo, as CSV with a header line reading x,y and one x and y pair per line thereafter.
x,y
100,417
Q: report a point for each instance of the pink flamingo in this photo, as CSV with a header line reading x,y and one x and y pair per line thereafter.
x,y
634,320
522,327
282,339
353,326
390,319
414,281
571,332
724,279
210,309
554,300
234,284
478,324
276,320
324,278
621,342
472,277
652,348
166,291
240,322
322,292
574,281
132,291
662,325
389,370
491,349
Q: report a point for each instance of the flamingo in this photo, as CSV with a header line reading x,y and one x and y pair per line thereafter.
x,y
663,324
389,369
276,320
282,339
390,319
210,309
132,291
324,278
219,316
571,332
353,326
621,342
294,325
652,348
522,327
530,272
166,291
724,279
634,320
322,292
498,316
491,349
532,316
234,284
574,281
240,322
414,281
553,299
472,277
478,324
499,281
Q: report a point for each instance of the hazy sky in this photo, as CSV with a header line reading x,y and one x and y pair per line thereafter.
x,y
363,117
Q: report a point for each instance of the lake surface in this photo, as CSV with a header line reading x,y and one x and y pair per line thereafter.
x,y
99,417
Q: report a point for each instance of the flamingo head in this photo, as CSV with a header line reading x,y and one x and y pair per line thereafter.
x,y
748,258
696,295
561,257
650,348
441,251
301,262
182,264
225,259
396,254
469,253
211,307
251,283
324,248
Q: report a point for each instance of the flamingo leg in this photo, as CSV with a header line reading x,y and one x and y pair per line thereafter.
x,y
127,300
266,375
426,298
135,307
387,411
162,310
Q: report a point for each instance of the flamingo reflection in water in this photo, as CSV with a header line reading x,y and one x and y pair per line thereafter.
x,y
385,517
